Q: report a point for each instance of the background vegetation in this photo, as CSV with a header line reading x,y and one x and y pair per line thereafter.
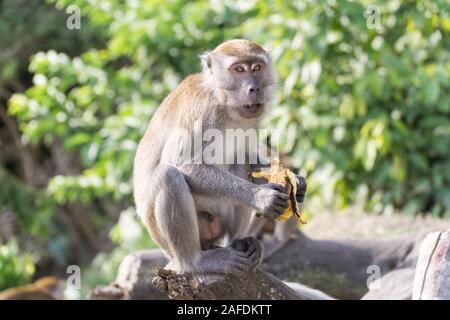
x,y
363,110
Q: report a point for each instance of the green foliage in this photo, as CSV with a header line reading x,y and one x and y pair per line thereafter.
x,y
367,107
99,103
32,207
15,268
358,107
28,26
129,236
360,110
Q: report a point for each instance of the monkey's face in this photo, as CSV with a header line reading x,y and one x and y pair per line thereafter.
x,y
246,93
246,86
243,83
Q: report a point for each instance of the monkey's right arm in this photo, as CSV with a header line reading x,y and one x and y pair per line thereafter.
x,y
269,199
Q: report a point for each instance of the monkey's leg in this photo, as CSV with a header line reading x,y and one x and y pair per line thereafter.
x,y
256,226
176,221
280,235
176,218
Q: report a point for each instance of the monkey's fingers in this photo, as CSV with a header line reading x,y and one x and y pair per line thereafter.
x,y
282,203
254,248
280,209
283,197
239,266
254,251
300,198
276,208
273,213
255,258
240,245
242,260
275,186
301,189
238,261
301,185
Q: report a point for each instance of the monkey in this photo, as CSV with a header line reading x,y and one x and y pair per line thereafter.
x,y
199,212
46,288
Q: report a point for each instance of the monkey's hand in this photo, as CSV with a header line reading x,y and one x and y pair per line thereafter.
x,y
270,200
301,189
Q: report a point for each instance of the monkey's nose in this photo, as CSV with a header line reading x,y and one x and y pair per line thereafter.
x,y
253,90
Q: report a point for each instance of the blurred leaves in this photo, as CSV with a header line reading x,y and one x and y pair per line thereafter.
x,y
32,207
371,104
129,235
373,110
359,109
16,268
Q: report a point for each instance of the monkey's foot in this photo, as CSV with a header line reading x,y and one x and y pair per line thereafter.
x,y
252,248
242,256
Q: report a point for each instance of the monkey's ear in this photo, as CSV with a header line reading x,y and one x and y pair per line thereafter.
x,y
205,58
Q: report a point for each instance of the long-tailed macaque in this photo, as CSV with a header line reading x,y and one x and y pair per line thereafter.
x,y
199,212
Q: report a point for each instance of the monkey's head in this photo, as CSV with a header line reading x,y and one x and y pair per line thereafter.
x,y
241,75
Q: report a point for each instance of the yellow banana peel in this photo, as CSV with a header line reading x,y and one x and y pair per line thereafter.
x,y
276,173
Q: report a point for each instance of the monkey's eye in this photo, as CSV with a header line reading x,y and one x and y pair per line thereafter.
x,y
257,67
239,69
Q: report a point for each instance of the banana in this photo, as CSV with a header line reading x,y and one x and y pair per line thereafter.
x,y
276,173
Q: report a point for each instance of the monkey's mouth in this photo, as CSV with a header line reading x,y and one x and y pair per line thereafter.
x,y
251,110
253,106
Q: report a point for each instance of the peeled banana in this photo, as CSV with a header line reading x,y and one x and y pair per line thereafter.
x,y
276,173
